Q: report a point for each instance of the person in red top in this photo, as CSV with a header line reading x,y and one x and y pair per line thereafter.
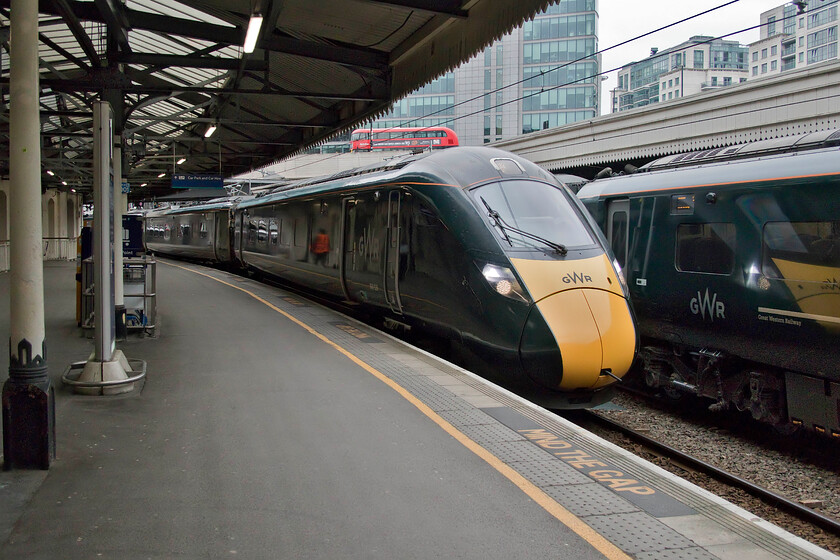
x,y
321,247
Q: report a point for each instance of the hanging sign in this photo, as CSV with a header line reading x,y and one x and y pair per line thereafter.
x,y
188,181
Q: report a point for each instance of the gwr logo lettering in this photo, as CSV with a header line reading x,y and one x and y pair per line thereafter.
x,y
705,305
576,277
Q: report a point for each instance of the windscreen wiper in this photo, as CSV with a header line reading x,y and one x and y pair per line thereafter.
x,y
505,227
498,219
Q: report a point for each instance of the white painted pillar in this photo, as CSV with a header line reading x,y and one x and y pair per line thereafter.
x,y
119,295
28,398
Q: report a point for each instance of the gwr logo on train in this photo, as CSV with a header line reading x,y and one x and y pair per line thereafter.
x,y
703,305
575,277
580,459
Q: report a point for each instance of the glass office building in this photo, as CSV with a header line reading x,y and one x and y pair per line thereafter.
x,y
541,75
791,40
699,64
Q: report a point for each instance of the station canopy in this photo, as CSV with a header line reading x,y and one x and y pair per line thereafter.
x,y
172,69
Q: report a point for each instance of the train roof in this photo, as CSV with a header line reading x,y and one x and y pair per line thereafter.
x,y
808,155
456,167
208,206
809,141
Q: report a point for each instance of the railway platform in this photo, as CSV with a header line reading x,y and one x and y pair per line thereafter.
x,y
270,427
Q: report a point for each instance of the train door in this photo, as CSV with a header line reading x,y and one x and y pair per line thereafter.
x,y
238,234
364,234
618,222
395,248
222,231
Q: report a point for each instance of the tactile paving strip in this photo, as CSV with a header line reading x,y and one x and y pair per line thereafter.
x,y
546,474
517,451
589,499
693,553
637,532
479,424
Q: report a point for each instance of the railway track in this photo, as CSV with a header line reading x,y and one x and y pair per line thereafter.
x,y
599,424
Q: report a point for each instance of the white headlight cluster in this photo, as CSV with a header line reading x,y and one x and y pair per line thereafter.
x,y
504,282
621,279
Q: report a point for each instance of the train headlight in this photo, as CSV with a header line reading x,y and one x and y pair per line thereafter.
x,y
621,279
502,280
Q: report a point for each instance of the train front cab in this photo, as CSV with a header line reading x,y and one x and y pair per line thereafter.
x,y
579,336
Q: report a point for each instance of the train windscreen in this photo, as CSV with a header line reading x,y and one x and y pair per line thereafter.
x,y
536,210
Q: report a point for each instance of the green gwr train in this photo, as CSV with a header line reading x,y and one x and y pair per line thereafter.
x,y
472,245
732,257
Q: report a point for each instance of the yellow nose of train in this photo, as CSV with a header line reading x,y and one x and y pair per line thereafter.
x,y
580,332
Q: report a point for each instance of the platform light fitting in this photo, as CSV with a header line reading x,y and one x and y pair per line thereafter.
x,y
253,32
210,130
180,161
144,184
64,183
161,175
50,173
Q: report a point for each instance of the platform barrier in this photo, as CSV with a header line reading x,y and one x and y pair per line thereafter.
x,y
139,293
60,248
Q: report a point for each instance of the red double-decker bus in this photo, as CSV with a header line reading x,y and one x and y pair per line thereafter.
x,y
402,138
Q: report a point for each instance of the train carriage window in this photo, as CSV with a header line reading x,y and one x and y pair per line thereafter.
x,y
285,233
202,228
706,248
301,233
618,236
252,231
262,232
273,232
618,211
805,251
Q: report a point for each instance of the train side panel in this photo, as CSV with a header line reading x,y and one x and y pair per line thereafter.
x,y
735,283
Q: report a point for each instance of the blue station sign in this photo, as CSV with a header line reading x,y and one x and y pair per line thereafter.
x,y
189,181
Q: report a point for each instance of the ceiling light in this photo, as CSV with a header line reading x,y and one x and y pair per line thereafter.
x,y
180,161
161,175
253,32
72,190
144,184
210,130
50,173
64,183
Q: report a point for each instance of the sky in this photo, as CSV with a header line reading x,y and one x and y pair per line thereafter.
x,y
620,20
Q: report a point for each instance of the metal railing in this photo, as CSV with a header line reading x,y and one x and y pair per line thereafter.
x,y
55,249
60,248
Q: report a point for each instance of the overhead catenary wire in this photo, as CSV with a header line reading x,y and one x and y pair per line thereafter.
x,y
584,79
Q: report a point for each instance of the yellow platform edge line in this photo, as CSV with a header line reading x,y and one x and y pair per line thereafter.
x,y
564,516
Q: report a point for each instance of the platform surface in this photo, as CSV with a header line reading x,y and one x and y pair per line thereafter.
x,y
270,427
